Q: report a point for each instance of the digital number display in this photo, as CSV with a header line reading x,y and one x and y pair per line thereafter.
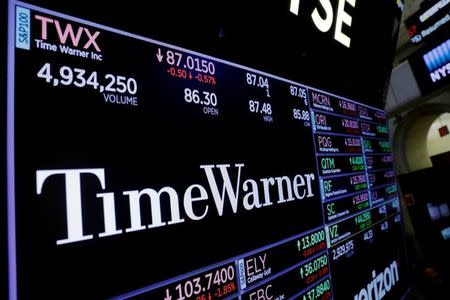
x,y
377,146
321,291
381,178
294,281
160,172
360,222
334,165
337,144
256,267
327,122
342,207
218,283
337,186
376,130
374,162
384,193
329,103
374,115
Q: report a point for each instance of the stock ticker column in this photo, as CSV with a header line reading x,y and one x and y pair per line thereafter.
x,y
297,267
340,161
357,182
384,198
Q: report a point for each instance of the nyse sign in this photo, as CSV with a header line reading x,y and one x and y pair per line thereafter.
x,y
324,22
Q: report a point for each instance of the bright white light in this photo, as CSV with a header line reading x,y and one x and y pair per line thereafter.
x,y
295,6
446,233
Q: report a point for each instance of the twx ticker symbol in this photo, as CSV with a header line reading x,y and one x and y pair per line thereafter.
x,y
239,194
325,22
64,32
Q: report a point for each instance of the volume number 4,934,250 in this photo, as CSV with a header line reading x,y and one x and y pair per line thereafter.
x,y
69,76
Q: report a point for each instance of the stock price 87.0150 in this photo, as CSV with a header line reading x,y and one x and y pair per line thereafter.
x,y
189,62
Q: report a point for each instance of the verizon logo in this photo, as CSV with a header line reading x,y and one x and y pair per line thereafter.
x,y
241,194
380,285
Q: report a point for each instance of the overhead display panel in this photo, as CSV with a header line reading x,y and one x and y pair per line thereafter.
x,y
429,22
141,169
431,66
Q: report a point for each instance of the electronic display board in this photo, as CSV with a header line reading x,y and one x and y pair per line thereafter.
x,y
140,169
429,22
431,66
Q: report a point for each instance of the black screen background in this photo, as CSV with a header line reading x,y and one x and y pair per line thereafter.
x,y
148,146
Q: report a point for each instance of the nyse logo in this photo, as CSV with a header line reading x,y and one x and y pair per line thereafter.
x,y
66,33
324,21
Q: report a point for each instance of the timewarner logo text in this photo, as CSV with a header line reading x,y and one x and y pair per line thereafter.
x,y
255,194
380,285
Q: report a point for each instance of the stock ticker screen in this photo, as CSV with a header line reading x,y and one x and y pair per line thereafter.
x,y
143,168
